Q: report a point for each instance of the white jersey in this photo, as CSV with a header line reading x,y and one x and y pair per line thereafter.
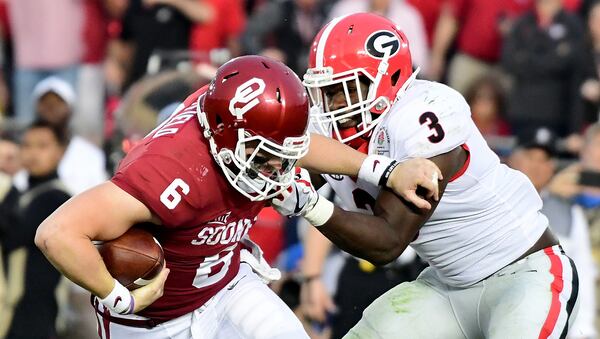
x,y
489,214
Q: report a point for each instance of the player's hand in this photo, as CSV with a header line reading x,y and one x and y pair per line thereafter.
x,y
299,198
146,295
315,300
407,177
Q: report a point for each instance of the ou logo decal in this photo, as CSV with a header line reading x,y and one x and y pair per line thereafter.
x,y
247,93
381,42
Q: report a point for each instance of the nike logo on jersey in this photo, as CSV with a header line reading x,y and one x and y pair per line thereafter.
x,y
117,301
375,163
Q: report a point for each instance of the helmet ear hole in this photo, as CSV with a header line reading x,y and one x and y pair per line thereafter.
x,y
278,93
394,78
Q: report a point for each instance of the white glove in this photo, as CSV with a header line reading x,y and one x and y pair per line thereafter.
x,y
301,199
252,255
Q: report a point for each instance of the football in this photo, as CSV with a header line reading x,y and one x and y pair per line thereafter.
x,y
134,258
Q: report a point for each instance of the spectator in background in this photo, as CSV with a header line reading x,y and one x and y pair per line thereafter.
x,y
219,38
544,54
402,14
430,12
6,62
10,162
83,164
9,196
590,89
567,220
158,25
487,100
33,284
89,120
568,184
478,26
291,24
46,35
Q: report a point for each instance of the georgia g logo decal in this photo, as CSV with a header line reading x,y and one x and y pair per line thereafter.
x,y
381,42
247,93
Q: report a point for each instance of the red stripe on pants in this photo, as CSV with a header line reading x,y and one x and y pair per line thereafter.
x,y
556,270
97,319
106,320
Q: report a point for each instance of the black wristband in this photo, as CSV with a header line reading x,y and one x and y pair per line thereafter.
x,y
387,172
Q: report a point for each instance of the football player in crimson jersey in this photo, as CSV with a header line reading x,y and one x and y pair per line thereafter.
x,y
496,271
202,177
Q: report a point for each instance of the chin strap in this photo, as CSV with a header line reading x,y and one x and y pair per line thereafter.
x,y
407,83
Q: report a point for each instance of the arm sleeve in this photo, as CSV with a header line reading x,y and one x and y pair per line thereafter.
x,y
163,185
436,122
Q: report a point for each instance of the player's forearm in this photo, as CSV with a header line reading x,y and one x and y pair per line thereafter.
x,y
365,236
327,155
316,249
75,257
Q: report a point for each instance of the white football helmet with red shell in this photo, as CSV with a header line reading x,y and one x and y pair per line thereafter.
x,y
255,102
358,46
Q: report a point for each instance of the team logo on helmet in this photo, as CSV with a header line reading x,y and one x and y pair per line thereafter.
x,y
381,42
248,95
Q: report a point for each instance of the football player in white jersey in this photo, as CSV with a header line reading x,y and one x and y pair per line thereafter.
x,y
496,271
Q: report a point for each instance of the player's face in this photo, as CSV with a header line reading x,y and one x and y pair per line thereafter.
x,y
336,99
264,163
40,151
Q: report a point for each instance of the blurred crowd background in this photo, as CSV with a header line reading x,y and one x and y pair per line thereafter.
x,y
81,81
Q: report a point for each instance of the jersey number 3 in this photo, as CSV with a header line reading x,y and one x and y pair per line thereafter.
x,y
433,123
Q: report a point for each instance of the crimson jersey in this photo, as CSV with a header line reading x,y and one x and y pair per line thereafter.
x,y
203,218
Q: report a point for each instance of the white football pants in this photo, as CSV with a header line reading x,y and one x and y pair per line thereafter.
x,y
535,297
248,310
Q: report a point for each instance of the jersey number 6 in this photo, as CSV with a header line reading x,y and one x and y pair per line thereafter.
x,y
433,123
170,197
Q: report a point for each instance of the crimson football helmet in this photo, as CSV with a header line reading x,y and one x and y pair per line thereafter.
x,y
358,47
256,110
